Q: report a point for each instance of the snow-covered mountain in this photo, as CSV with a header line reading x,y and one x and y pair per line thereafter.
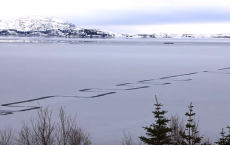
x,y
49,26
173,35
36,23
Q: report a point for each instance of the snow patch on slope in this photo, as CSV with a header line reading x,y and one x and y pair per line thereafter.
x,y
49,26
36,23
112,33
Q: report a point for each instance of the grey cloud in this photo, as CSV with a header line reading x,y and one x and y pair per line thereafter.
x,y
208,15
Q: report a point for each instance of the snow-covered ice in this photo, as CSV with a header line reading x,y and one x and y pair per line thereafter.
x,y
192,69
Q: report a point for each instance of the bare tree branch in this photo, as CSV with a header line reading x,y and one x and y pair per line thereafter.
x,y
177,126
128,139
67,132
7,136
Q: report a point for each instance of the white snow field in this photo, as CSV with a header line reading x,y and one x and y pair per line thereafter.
x,y
111,83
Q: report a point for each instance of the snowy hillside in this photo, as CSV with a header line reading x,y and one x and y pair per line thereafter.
x,y
36,23
54,27
48,26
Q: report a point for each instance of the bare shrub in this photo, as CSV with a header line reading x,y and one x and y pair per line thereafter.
x,y
26,136
7,136
196,133
206,140
67,132
43,127
43,131
63,127
177,126
128,139
79,136
40,132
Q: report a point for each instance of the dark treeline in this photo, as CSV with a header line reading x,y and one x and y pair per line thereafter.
x,y
174,131
84,33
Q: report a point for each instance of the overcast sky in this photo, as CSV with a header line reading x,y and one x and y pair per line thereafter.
x,y
130,16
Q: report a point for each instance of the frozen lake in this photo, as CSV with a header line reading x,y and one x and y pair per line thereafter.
x,y
111,83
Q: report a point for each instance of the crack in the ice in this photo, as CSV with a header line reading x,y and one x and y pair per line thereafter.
x,y
108,91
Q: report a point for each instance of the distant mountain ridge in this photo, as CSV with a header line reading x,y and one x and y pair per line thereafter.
x,y
54,27
48,26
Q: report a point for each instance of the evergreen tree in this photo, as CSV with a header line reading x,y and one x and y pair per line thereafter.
x,y
191,134
225,139
228,136
158,132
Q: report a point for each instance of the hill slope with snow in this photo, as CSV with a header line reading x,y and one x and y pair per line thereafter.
x,y
36,23
54,27
48,26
